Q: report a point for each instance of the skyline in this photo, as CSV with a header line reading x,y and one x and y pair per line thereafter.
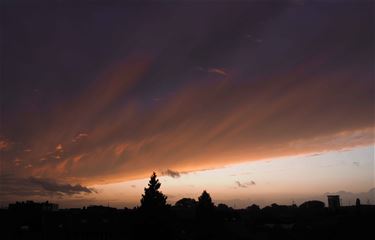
x,y
262,182
96,96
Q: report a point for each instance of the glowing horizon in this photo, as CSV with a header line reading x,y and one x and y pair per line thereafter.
x,y
261,182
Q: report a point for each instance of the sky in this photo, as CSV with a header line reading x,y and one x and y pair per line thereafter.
x,y
254,101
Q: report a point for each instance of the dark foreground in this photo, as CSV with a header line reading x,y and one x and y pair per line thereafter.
x,y
275,222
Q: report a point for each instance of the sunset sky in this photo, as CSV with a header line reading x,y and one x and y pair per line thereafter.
x,y
254,101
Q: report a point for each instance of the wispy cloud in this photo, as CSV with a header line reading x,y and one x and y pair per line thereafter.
x,y
217,71
80,137
315,154
54,187
245,184
4,144
357,164
32,186
245,122
171,173
59,147
272,107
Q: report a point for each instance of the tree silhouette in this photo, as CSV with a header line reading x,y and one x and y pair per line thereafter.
x,y
186,203
312,204
153,199
253,208
205,205
205,201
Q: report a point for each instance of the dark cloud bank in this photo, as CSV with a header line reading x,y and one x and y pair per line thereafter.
x,y
31,186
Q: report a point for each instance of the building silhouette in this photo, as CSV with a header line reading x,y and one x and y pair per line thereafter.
x,y
33,206
333,201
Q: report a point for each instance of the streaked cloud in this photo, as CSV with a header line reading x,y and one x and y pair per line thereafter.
x,y
80,137
17,162
245,184
34,187
54,187
4,144
245,122
59,147
139,106
357,164
217,71
29,166
171,173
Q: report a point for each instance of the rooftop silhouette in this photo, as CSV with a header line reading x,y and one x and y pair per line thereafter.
x,y
187,219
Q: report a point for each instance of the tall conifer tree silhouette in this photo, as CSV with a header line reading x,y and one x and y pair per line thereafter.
x,y
153,199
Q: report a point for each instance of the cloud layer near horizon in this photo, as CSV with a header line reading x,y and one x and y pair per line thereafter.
x,y
38,187
207,125
223,97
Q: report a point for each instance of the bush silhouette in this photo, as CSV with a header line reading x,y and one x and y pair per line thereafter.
x,y
186,203
253,208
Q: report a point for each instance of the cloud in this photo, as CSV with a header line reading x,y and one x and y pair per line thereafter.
x,y
54,187
315,154
245,184
4,144
29,165
204,125
34,187
273,106
217,71
242,173
239,184
17,162
171,173
59,147
357,164
80,137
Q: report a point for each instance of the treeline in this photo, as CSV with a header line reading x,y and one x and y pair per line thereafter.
x,y
188,219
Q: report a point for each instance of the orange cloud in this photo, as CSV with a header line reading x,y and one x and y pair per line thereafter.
x,y
4,144
77,158
203,125
217,71
59,147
